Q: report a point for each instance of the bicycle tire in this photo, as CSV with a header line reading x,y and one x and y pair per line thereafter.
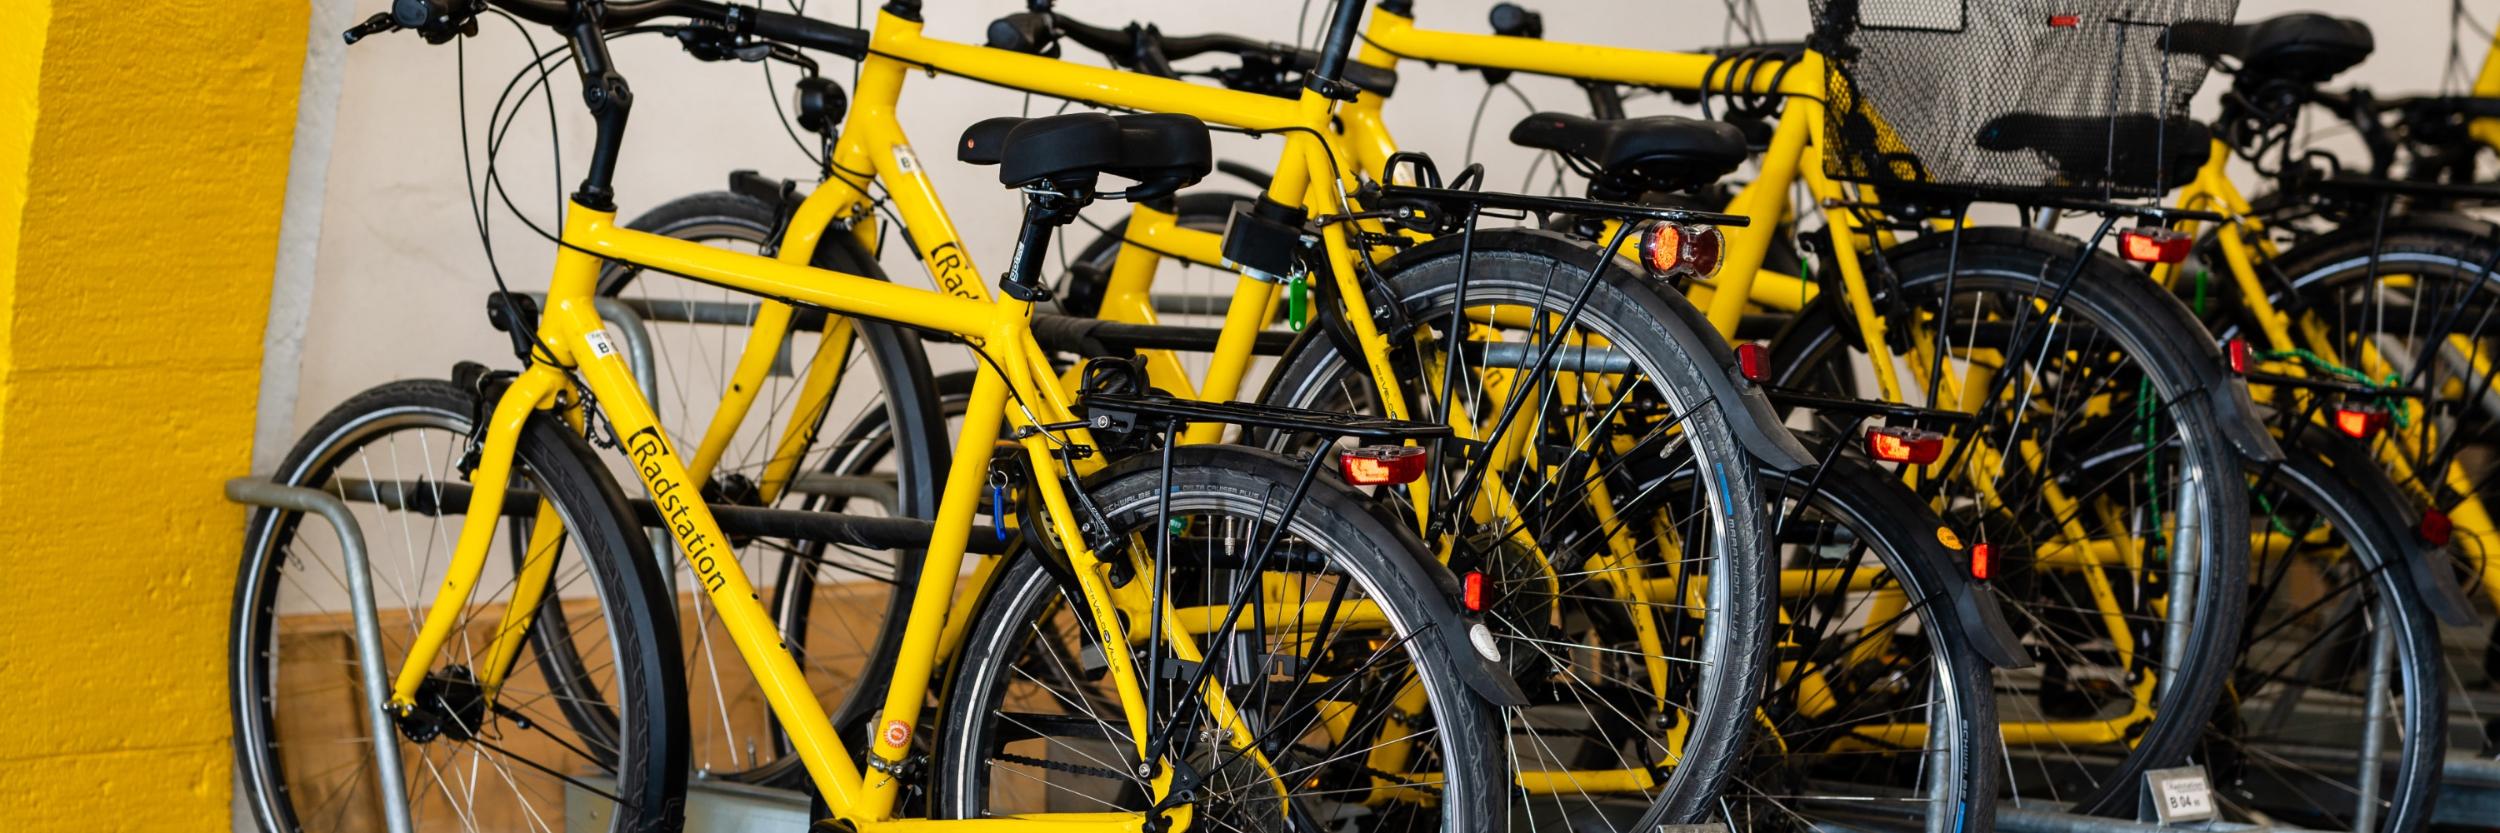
x,y
2296,783
1356,546
2166,344
1543,270
646,746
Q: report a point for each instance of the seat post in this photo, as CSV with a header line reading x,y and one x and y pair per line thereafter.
x,y
1048,206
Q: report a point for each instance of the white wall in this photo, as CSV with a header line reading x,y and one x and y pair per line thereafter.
x,y
398,279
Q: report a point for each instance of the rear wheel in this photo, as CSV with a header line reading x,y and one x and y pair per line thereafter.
x,y
1879,713
2336,716
1639,610
2096,472
1359,712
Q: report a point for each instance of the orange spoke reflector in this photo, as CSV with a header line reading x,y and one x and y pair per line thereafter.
x,y
1754,361
1471,592
1983,561
1383,465
2360,421
1904,445
1670,250
2436,528
2153,244
2237,350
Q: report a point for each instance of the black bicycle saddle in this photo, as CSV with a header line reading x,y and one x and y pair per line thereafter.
x,y
2082,147
1161,151
2306,47
1653,153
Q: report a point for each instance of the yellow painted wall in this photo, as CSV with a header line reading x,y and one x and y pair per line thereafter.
x,y
143,153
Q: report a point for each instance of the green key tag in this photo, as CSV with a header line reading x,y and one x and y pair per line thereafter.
x,y
1298,302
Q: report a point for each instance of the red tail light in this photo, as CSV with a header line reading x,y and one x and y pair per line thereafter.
x,y
2436,528
2360,421
1471,592
1904,445
1671,250
2152,244
1754,361
1982,561
2065,21
2237,350
1383,465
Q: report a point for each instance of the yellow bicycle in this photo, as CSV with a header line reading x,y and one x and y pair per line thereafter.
x,y
1326,634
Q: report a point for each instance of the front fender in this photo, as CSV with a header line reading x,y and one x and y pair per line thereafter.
x,y
2348,464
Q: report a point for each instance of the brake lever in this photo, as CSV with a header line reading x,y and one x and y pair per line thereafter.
x,y
380,23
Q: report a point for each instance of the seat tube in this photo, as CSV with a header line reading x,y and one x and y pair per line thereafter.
x,y
933,595
1764,202
2487,85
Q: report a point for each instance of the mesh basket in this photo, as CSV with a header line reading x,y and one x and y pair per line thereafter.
x,y
2072,97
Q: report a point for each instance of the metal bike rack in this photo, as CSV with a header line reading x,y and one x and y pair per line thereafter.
x,y
268,494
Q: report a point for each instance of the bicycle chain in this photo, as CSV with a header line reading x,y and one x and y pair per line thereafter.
x,y
1071,769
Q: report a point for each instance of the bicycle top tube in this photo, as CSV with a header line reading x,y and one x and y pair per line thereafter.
x,y
1393,35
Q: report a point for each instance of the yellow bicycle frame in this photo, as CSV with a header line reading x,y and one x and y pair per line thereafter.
x,y
2487,85
572,335
1794,155
873,145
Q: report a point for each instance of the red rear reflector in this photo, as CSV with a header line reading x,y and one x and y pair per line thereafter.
x,y
2436,529
1754,361
2065,21
1982,561
2360,421
1381,465
2237,350
1904,445
2150,244
1471,592
1670,250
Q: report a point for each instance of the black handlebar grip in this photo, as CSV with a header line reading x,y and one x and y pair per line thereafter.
x,y
810,33
1120,45
1026,32
1510,19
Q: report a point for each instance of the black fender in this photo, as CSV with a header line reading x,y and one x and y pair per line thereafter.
x,y
1935,563
2360,231
2224,391
1750,416
1490,678
2383,506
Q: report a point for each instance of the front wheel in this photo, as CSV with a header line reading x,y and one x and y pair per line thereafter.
x,y
595,734
1350,705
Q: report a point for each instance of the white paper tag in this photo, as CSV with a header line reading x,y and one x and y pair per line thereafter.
x,y
2181,794
905,162
599,346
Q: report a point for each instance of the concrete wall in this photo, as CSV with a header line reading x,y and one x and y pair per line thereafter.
x,y
143,156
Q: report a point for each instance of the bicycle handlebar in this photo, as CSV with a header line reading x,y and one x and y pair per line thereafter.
x,y
1030,31
436,16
